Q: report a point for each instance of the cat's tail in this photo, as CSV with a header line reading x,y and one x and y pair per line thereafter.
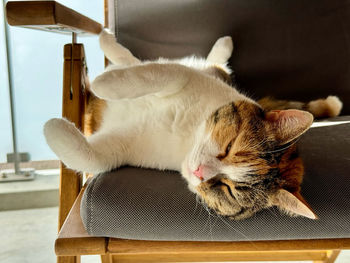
x,y
320,108
115,52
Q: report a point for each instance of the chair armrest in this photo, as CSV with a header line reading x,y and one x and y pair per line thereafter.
x,y
49,16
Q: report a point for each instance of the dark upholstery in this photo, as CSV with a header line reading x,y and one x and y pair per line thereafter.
x,y
147,204
291,49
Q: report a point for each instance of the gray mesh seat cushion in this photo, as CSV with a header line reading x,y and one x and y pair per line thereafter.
x,y
145,204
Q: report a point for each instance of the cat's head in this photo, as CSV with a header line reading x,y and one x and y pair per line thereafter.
x,y
244,161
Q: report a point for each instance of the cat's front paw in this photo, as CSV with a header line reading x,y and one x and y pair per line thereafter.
x,y
221,51
225,43
106,36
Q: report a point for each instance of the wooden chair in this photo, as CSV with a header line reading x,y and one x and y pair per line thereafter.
x,y
73,240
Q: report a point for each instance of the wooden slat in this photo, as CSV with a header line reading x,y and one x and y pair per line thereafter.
x,y
73,225
73,238
68,259
73,110
106,7
50,16
140,246
107,258
73,104
69,189
221,256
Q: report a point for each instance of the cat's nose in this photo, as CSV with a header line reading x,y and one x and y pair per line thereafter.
x,y
205,172
199,172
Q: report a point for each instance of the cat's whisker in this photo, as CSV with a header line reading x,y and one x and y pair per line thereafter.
x,y
210,229
208,220
224,221
284,148
272,212
257,145
261,192
239,232
197,201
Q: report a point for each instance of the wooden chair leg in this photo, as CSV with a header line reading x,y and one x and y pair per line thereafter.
x,y
106,258
71,259
331,256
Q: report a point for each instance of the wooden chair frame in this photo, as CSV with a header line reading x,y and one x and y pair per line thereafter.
x,y
73,240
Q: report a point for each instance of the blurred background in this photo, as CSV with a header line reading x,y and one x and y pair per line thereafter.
x,y
37,59
29,209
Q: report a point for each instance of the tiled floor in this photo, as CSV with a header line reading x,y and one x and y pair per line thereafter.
x,y
27,236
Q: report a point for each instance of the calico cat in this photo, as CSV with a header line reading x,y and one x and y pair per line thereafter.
x,y
183,115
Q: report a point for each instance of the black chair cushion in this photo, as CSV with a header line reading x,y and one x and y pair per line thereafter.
x,y
145,204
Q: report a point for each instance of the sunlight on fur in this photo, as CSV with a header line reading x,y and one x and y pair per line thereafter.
x,y
236,154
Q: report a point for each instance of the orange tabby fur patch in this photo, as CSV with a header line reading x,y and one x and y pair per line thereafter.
x,y
94,114
230,123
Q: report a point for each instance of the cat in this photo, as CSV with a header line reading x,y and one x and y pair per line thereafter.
x,y
237,155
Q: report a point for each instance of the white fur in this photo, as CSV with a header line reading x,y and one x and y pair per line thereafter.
x,y
221,51
115,52
203,152
155,115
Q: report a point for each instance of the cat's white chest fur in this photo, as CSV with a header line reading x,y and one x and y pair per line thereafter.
x,y
153,110
161,129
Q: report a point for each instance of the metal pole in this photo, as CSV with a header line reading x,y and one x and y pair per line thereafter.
x,y
74,41
10,84
74,38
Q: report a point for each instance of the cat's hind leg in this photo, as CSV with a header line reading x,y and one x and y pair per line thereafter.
x,y
115,52
95,154
221,51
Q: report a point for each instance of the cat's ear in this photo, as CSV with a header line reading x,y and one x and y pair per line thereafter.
x,y
287,125
292,203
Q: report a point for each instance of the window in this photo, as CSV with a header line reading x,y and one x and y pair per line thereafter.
x,y
37,63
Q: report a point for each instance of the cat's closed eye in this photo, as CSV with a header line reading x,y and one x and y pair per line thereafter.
x,y
225,187
242,188
228,148
227,151
242,153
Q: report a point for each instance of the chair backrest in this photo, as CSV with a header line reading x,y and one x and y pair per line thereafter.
x,y
291,49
